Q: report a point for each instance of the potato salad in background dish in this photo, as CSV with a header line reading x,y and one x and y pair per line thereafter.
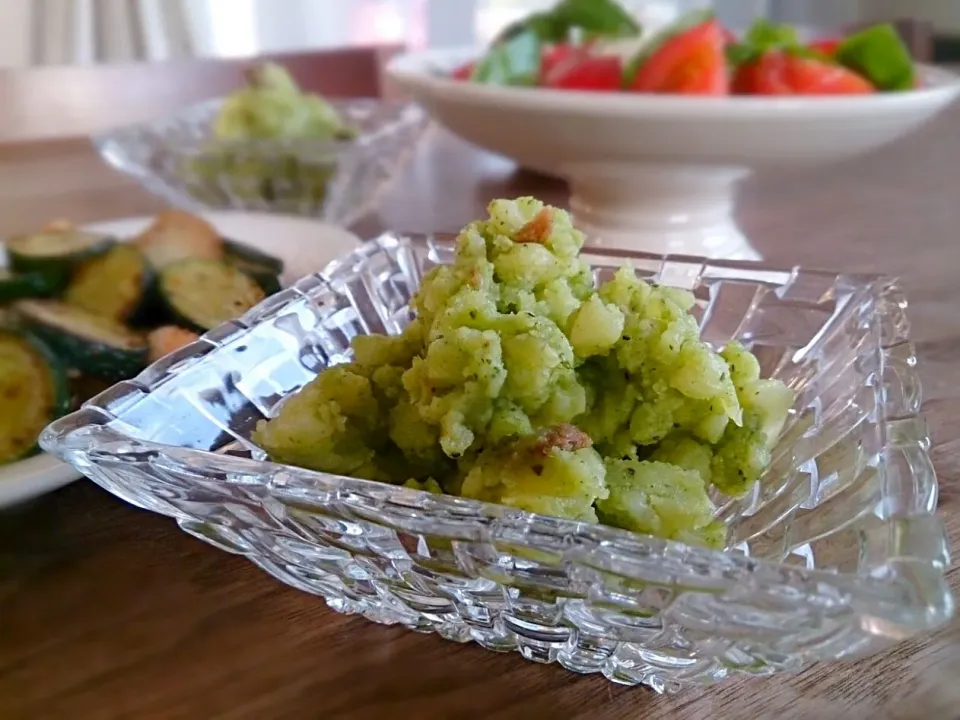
x,y
272,106
251,136
520,382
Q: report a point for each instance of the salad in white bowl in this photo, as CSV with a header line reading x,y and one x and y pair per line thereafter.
x,y
654,130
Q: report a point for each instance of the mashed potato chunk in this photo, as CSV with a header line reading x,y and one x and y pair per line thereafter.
x,y
521,383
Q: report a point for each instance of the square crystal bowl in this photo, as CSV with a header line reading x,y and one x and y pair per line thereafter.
x,y
339,180
837,553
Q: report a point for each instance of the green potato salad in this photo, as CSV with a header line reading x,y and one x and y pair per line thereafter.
x,y
519,382
270,108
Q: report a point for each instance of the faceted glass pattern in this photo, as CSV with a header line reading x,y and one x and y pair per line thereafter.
x,y
837,553
337,180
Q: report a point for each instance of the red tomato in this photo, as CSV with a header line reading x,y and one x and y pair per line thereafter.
x,y
691,63
827,46
778,73
765,76
463,72
554,55
581,71
813,77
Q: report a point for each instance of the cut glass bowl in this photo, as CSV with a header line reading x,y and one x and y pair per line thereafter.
x,y
836,554
337,180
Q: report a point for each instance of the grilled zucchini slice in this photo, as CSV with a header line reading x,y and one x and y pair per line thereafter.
x,y
93,344
115,285
265,269
84,387
55,252
15,286
202,294
33,392
235,250
176,235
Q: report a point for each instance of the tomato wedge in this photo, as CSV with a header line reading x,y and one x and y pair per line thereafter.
x,y
463,72
691,63
556,54
827,46
582,71
781,73
553,55
765,76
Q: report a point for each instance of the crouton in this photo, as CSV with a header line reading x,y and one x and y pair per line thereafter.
x,y
176,235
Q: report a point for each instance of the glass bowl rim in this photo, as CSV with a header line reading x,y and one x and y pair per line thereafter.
x,y
407,113
72,434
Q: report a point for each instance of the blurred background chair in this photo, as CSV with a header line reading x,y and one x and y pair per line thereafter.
x,y
40,102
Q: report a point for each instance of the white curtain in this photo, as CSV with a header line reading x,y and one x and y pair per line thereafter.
x,y
291,25
69,32
14,33
45,32
36,32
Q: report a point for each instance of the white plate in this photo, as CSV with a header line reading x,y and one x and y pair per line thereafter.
x,y
659,172
304,245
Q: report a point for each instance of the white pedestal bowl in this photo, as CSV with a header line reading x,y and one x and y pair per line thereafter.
x,y
658,172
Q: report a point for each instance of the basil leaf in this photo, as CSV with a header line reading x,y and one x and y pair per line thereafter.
x,y
740,54
514,61
548,26
687,22
880,55
765,36
598,18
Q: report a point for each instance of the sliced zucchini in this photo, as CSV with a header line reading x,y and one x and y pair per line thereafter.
x,y
83,387
55,252
235,250
93,344
15,286
33,393
265,269
176,235
115,285
202,294
168,339
270,284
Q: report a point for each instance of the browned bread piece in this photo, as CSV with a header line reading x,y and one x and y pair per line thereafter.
x,y
177,235
58,226
167,339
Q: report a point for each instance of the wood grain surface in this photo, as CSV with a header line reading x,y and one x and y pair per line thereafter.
x,y
108,612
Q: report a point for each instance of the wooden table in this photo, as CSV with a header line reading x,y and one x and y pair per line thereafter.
x,y
110,612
